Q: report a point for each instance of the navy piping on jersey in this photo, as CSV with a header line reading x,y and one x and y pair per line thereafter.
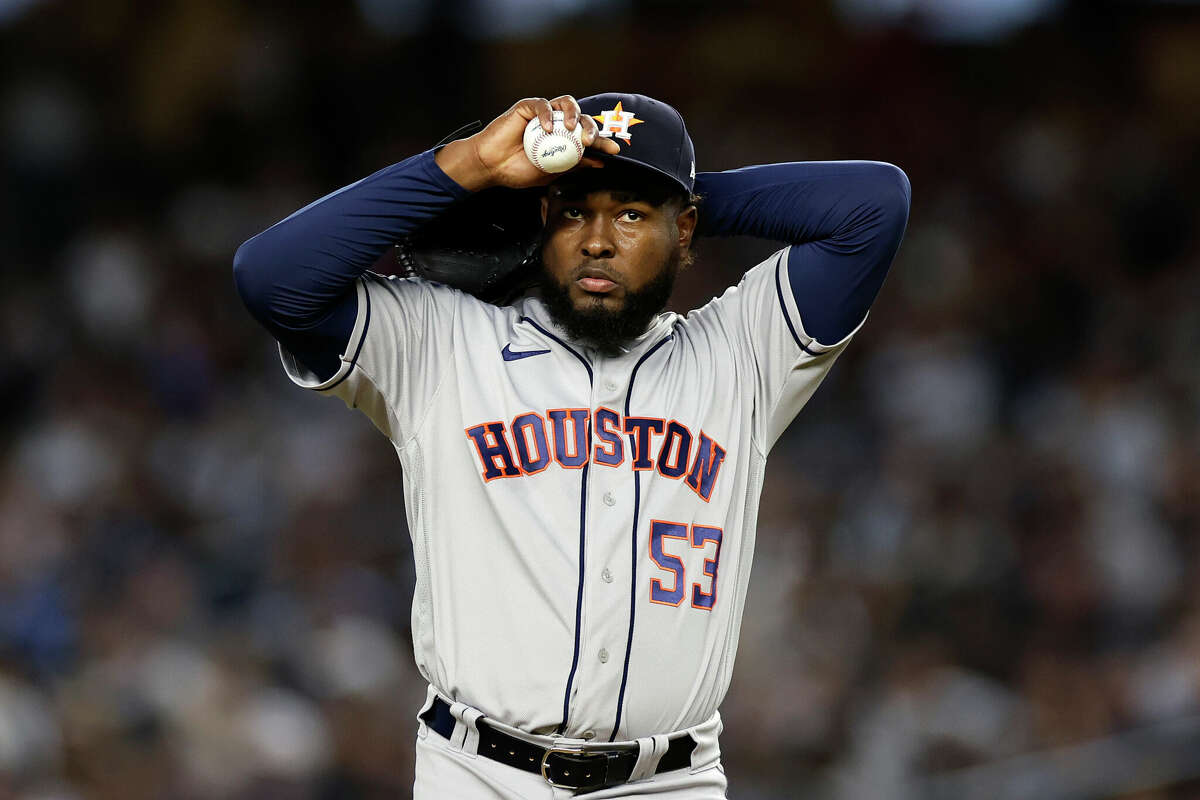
x,y
361,341
582,527
783,306
637,500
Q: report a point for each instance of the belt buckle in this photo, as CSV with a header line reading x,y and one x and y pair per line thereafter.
x,y
586,781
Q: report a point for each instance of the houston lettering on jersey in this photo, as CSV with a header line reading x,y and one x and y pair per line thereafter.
x,y
528,445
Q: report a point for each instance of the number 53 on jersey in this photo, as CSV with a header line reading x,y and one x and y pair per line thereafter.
x,y
670,544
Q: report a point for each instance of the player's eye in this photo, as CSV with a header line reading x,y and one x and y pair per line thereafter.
x,y
632,215
570,212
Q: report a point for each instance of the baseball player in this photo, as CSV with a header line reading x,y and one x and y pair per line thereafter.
x,y
582,470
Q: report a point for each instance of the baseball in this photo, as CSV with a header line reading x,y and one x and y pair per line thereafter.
x,y
556,151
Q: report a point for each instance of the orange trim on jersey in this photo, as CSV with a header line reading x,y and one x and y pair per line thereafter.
x,y
680,577
602,446
569,415
694,469
635,457
495,442
696,590
680,454
525,437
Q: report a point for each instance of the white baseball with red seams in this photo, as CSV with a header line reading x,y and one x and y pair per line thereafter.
x,y
553,151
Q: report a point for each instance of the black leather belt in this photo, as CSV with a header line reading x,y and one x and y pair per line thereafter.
x,y
562,767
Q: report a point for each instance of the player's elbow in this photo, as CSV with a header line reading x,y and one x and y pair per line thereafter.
x,y
901,191
251,278
891,189
875,204
891,195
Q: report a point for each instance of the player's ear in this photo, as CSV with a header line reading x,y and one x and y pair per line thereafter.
x,y
685,223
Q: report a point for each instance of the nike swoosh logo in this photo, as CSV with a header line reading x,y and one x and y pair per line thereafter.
x,y
509,355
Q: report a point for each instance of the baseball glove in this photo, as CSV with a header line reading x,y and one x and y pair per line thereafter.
x,y
486,245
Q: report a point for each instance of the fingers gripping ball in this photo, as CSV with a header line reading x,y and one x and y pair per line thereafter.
x,y
556,151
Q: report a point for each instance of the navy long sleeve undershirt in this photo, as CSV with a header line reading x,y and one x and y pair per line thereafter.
x,y
844,219
297,277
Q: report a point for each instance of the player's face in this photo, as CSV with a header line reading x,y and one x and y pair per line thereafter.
x,y
610,260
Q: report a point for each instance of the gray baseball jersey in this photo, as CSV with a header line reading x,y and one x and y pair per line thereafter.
x,y
582,525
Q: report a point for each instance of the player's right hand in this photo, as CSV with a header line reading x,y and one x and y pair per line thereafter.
x,y
496,155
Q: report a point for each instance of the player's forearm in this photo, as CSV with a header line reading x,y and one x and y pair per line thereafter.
x,y
291,274
804,201
844,220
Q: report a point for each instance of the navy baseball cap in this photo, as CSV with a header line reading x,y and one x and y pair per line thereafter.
x,y
650,132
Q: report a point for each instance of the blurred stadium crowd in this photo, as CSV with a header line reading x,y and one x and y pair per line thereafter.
x,y
977,543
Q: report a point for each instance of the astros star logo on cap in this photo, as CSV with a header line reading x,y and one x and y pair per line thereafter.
x,y
616,122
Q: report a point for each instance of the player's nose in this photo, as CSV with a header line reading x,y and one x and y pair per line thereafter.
x,y
598,241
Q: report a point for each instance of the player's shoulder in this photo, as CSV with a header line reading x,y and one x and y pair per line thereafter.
x,y
410,284
760,279
408,287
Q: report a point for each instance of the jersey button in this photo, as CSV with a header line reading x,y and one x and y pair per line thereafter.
x,y
606,575
611,385
589,734
603,656
609,500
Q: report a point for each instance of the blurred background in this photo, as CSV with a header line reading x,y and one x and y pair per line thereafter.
x,y
978,573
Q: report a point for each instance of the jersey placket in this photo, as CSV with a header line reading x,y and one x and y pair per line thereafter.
x,y
636,522
578,671
607,580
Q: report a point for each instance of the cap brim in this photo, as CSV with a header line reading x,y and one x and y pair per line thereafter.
x,y
603,156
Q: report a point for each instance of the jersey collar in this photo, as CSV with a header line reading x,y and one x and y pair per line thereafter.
x,y
532,306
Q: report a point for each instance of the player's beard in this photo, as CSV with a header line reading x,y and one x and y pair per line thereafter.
x,y
604,330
